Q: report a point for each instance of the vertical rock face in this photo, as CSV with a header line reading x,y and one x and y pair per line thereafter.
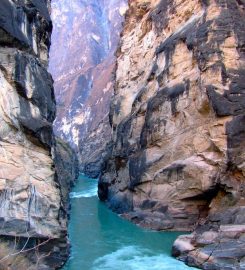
x,y
85,38
177,155
32,210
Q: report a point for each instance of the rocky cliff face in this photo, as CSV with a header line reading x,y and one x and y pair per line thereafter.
x,y
82,60
177,155
32,209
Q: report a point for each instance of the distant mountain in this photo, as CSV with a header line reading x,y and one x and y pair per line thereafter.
x,y
85,37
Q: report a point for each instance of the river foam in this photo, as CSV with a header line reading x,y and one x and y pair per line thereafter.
x,y
137,258
84,194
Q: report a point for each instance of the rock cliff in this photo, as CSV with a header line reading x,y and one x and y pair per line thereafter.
x,y
33,221
82,61
176,161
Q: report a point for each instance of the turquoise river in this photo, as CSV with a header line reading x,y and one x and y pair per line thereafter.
x,y
101,240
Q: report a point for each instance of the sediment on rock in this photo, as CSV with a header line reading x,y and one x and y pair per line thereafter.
x,y
176,160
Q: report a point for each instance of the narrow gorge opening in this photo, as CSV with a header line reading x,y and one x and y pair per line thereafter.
x,y
150,112
86,35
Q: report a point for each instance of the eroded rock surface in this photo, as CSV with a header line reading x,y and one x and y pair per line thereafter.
x,y
177,155
32,208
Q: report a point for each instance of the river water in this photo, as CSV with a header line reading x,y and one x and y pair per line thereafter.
x,y
101,240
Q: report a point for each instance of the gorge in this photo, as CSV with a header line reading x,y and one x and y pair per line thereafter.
x,y
85,38
148,97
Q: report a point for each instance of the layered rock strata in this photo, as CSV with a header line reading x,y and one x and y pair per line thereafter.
x,y
32,206
177,156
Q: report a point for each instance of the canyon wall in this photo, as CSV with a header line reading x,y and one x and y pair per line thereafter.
x,y
176,160
82,61
33,207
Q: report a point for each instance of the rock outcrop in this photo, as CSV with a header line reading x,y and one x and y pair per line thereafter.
x,y
82,61
176,161
66,166
33,218
93,149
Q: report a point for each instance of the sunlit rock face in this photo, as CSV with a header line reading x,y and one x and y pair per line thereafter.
x,y
32,208
177,153
85,38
